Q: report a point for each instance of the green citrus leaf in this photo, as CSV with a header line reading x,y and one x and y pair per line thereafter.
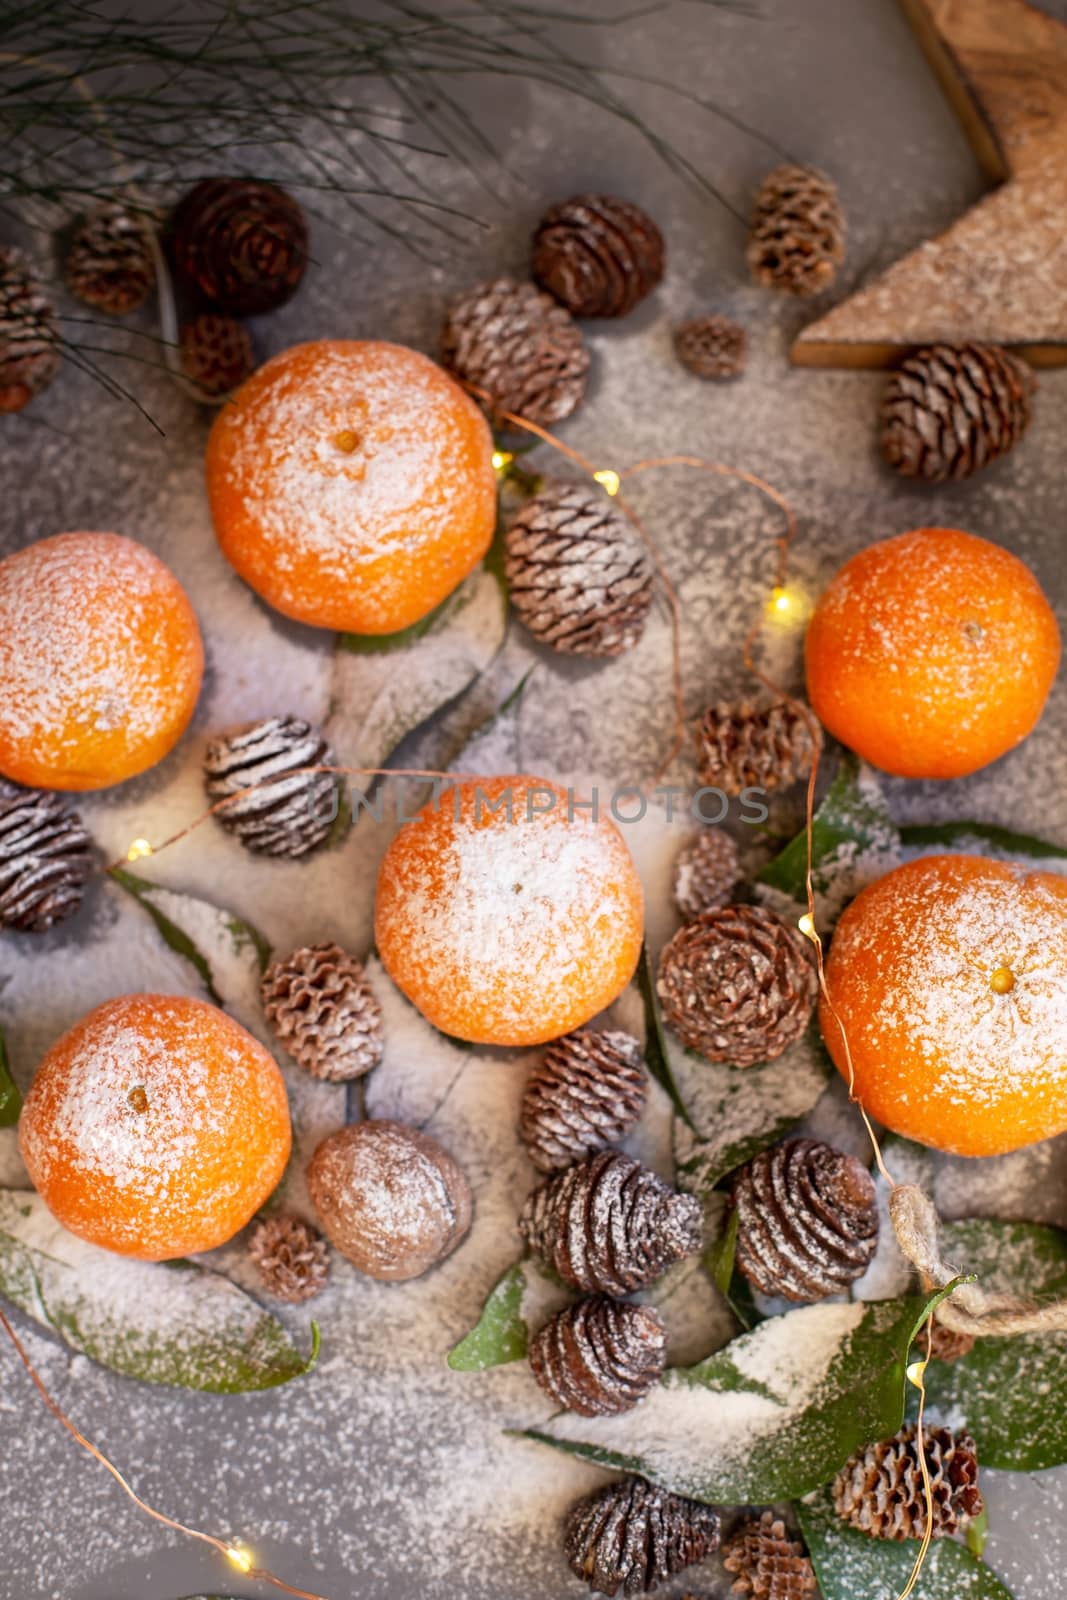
x,y
10,1099
852,833
657,1046
980,838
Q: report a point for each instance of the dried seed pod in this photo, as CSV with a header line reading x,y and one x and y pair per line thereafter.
x,y
586,1094
110,263
601,1356
29,337
880,1490
216,353
713,348
519,348
291,1256
275,805
630,1537
240,243
597,255
766,1562
750,747
705,873
45,859
324,1012
797,233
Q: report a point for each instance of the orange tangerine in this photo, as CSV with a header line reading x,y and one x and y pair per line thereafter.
x,y
156,1127
352,484
506,915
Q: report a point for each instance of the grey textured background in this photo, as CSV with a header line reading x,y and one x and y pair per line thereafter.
x,y
333,1468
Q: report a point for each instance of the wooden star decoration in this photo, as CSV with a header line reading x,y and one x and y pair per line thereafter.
x,y
999,274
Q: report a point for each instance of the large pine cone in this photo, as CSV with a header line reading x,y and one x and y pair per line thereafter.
x,y
705,873
278,808
587,1093
601,1356
766,1563
292,1258
630,1537
45,859
240,243
737,985
711,347
109,262
518,346
578,574
324,1012
807,1220
597,255
749,747
951,409
609,1225
797,233
29,352
880,1490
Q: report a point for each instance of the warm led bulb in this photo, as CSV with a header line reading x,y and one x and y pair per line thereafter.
x,y
240,1558
608,480
501,459
806,924
916,1372
139,848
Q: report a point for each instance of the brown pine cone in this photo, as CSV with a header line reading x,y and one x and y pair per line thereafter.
x,y
587,1093
766,1562
807,1220
711,347
630,1537
945,1343
880,1490
216,353
951,409
278,809
705,873
519,347
797,232
109,263
324,1012
737,985
578,574
29,353
240,243
597,255
601,1356
609,1226
747,747
45,859
292,1258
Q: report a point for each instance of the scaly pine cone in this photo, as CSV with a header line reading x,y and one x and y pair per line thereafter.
x,y
609,1225
216,354
587,1093
597,255
766,1563
287,811
797,233
807,1220
705,873
630,1537
737,985
711,347
578,575
520,347
29,355
110,264
292,1257
240,243
747,747
599,1357
324,1012
880,1490
945,1343
951,409
45,859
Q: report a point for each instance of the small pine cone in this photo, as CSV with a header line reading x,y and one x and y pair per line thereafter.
x,y
279,809
737,985
630,1537
216,354
45,859
587,1093
880,1490
951,409
578,574
324,1012
109,263
766,1563
240,243
945,1343
711,347
292,1257
746,747
518,346
597,255
705,873
601,1356
807,1220
609,1226
29,354
796,236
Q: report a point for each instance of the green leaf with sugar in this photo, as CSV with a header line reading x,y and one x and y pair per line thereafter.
x,y
500,1334
849,1564
10,1098
980,838
657,1048
772,1415
851,825
176,1324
